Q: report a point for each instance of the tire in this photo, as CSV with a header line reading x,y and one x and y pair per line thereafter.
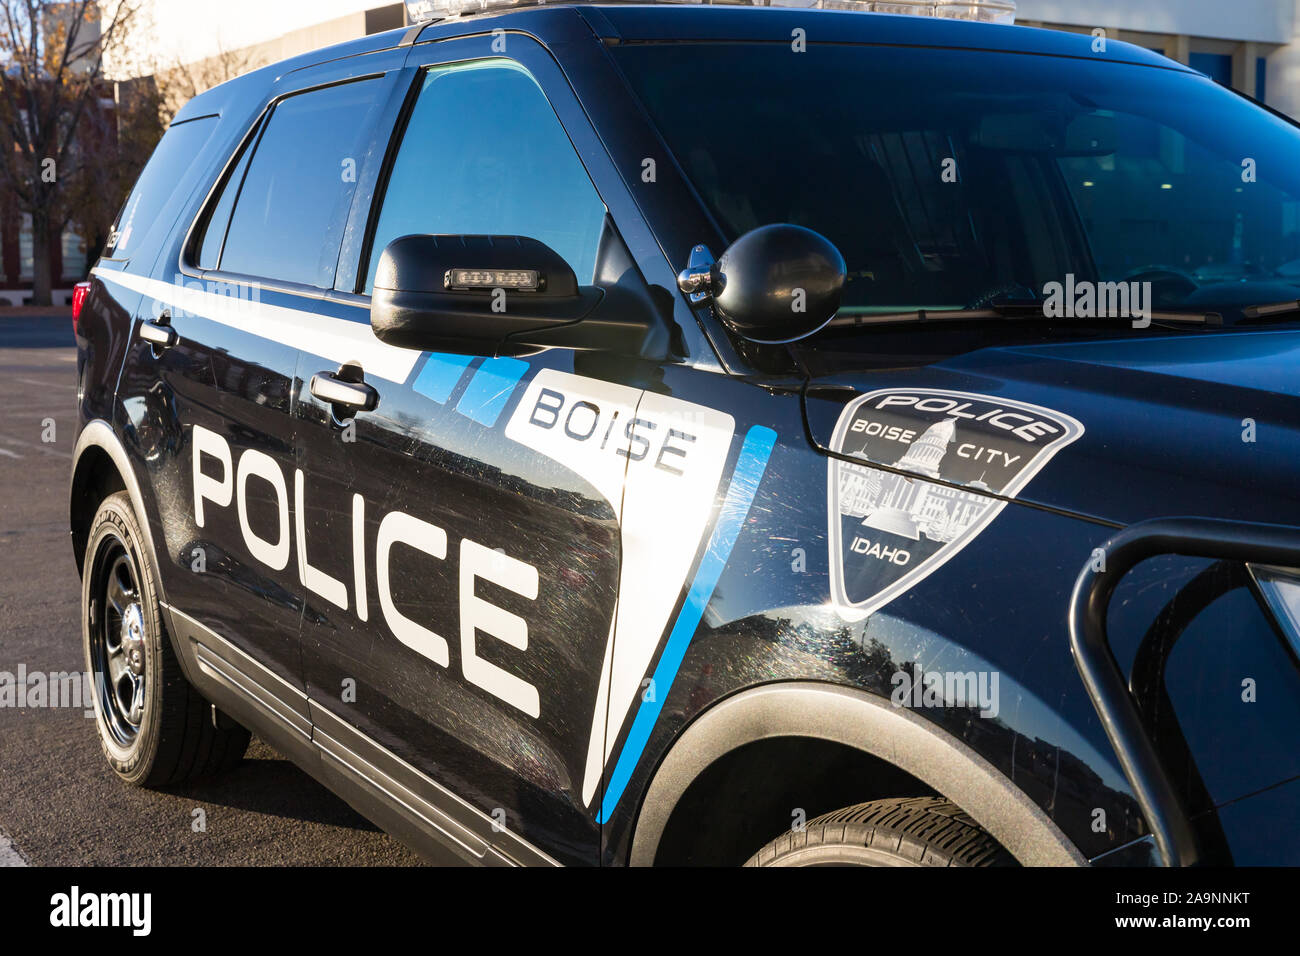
x,y
154,728
903,831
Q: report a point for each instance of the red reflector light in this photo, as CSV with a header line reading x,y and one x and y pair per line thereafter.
x,y
79,293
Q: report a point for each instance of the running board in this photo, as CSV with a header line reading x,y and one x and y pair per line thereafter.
x,y
375,781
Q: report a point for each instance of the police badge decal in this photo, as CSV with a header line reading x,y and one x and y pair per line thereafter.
x,y
890,530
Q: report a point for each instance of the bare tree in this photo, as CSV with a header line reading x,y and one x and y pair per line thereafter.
x,y
121,142
178,82
56,112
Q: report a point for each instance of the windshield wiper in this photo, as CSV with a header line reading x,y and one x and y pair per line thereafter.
x,y
1271,310
1004,311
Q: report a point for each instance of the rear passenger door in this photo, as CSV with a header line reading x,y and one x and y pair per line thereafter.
x,y
474,510
214,382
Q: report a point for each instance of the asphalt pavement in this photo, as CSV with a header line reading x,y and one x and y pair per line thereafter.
x,y
60,804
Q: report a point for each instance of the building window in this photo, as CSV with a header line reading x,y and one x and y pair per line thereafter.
x,y
1261,74
25,262
74,255
1217,66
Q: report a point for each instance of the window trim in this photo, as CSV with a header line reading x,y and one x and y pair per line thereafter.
x,y
413,76
197,235
418,72
252,139
612,135
577,94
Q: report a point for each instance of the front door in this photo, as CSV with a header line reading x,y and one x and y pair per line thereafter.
x,y
473,514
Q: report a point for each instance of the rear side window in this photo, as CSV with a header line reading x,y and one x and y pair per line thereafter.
x,y
178,150
485,154
214,234
290,204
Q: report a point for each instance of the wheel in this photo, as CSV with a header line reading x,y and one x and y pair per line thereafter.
x,y
903,831
154,728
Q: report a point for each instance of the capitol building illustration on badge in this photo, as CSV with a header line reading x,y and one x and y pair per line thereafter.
x,y
906,506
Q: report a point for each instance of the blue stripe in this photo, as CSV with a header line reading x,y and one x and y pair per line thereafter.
x,y
440,376
486,396
750,467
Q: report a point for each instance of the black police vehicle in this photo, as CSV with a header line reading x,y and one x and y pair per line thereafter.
x,y
692,434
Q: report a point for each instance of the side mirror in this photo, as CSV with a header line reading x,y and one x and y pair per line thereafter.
x,y
473,295
773,285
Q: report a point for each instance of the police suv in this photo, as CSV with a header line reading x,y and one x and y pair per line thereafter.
x,y
691,434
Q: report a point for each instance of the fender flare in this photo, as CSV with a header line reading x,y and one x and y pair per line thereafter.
x,y
866,723
98,433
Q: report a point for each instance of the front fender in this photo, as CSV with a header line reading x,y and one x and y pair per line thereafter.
x,y
867,723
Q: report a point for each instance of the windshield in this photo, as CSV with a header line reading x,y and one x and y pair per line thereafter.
x,y
955,179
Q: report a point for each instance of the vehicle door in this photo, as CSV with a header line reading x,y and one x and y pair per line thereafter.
x,y
458,636
208,390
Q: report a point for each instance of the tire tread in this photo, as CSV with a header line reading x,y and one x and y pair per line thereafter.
x,y
928,831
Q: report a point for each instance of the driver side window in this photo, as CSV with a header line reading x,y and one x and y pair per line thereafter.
x,y
483,153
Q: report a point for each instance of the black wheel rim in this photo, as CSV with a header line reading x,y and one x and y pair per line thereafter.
x,y
117,644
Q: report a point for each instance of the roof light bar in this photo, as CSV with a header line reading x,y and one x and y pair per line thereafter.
x,y
988,11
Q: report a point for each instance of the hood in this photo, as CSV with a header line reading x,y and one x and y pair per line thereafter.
x,y
1196,424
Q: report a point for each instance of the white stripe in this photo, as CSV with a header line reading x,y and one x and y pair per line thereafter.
x,y
665,517
8,454
662,514
9,855
332,338
605,469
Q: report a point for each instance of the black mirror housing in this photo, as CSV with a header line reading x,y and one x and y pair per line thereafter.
x,y
778,284
479,295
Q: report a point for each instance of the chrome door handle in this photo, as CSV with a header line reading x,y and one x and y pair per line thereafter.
x,y
329,388
159,333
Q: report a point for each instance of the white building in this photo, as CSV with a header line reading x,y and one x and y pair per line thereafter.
x,y
169,33
1253,45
